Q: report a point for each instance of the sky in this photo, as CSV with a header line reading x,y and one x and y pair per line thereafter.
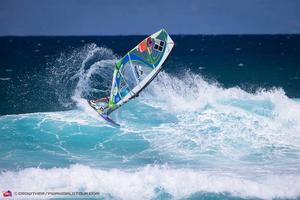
x,y
140,17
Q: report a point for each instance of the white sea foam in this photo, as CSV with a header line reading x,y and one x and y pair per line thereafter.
x,y
191,93
230,123
5,79
67,117
142,183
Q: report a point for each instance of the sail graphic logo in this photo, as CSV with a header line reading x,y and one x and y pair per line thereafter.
x,y
7,193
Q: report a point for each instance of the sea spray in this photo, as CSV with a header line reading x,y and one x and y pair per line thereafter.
x,y
82,73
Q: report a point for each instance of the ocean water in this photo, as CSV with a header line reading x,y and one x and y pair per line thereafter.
x,y
221,121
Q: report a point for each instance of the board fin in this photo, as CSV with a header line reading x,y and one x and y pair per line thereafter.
x,y
100,107
109,120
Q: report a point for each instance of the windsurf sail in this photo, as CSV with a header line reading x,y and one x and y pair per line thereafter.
x,y
138,68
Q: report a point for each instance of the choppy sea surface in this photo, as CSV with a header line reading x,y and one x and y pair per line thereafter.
x,y
221,121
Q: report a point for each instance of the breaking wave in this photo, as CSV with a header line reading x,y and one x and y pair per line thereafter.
x,y
149,182
184,135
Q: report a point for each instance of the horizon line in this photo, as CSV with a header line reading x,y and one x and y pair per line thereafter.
x,y
123,35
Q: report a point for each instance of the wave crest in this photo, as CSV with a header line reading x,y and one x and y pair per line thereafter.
x,y
148,182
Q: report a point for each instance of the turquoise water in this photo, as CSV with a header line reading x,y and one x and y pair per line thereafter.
x,y
184,137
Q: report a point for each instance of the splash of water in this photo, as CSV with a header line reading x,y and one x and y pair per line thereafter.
x,y
82,73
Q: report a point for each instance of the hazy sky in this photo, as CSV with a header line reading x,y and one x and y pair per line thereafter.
x,y
127,17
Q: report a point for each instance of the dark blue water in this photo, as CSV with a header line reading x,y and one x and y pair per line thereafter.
x,y
221,121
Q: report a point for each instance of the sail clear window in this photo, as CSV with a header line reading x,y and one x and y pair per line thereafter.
x,y
159,45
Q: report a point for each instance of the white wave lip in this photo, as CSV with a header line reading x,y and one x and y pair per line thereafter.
x,y
144,182
231,123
